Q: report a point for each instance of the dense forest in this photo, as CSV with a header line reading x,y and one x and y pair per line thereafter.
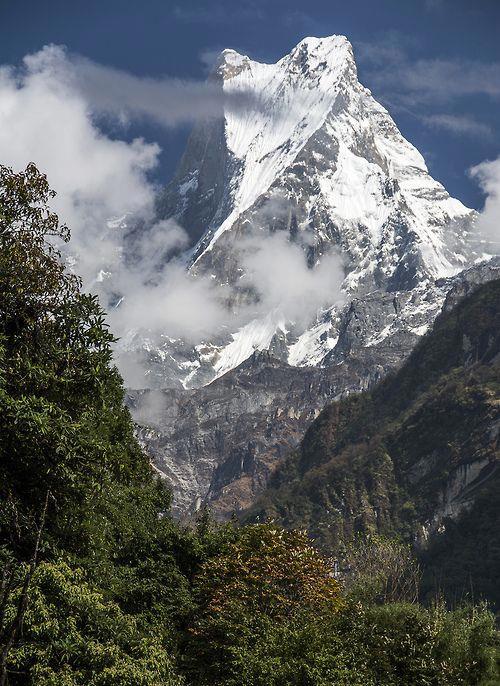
x,y
100,587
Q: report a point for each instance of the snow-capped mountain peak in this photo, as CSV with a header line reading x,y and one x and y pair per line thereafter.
x,y
286,103
302,136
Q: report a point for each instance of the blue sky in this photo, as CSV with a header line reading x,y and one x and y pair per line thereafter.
x,y
435,64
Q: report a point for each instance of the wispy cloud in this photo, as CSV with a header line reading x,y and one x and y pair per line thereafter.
x,y
391,69
106,90
459,124
446,80
419,86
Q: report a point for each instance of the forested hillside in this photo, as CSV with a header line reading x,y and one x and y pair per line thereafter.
x,y
100,587
417,457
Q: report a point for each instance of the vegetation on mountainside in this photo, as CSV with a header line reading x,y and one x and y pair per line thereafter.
x,y
100,587
383,462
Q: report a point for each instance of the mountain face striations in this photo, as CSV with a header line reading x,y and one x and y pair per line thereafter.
x,y
304,153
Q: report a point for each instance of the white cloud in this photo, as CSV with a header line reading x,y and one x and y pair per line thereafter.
x,y
488,223
277,270
45,120
157,292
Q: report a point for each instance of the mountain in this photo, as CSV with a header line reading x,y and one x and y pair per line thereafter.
x,y
303,148
311,131
303,162
418,456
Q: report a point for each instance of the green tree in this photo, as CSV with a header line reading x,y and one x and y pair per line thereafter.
x,y
63,425
74,484
73,636
267,577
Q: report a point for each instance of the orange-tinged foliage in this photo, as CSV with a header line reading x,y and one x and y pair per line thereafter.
x,y
270,571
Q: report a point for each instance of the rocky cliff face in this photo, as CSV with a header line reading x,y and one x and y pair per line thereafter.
x,y
302,154
219,444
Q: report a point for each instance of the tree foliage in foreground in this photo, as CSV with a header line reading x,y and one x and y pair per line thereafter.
x,y
267,577
100,587
74,485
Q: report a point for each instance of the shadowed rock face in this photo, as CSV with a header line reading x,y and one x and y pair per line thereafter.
x,y
219,444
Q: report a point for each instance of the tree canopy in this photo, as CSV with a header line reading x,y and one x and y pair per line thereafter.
x,y
99,586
